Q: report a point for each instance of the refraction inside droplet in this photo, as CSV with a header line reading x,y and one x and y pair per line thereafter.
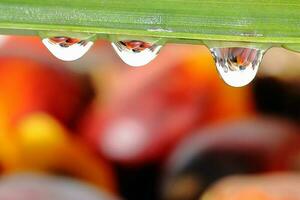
x,y
135,52
67,48
237,66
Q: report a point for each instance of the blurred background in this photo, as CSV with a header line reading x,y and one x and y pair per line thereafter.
x,y
172,130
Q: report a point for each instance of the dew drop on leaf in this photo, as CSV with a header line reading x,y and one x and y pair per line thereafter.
x,y
67,48
135,52
237,66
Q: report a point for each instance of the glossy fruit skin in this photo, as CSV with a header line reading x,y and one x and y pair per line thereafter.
x,y
30,86
40,143
260,187
40,101
248,146
167,106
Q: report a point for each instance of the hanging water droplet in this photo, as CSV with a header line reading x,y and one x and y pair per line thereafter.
x,y
237,66
67,48
135,52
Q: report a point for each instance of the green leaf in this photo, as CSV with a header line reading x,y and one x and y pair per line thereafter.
x,y
276,22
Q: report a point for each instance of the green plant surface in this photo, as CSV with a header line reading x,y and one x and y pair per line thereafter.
x,y
188,21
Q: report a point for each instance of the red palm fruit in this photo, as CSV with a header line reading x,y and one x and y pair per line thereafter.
x,y
145,116
28,86
246,146
281,186
41,144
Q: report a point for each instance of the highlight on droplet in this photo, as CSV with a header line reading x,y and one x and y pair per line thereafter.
x,y
237,66
136,52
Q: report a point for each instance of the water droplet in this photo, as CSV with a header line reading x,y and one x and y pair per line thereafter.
x,y
237,66
135,52
67,48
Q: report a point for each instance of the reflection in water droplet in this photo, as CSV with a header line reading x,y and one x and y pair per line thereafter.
x,y
66,48
135,52
237,66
